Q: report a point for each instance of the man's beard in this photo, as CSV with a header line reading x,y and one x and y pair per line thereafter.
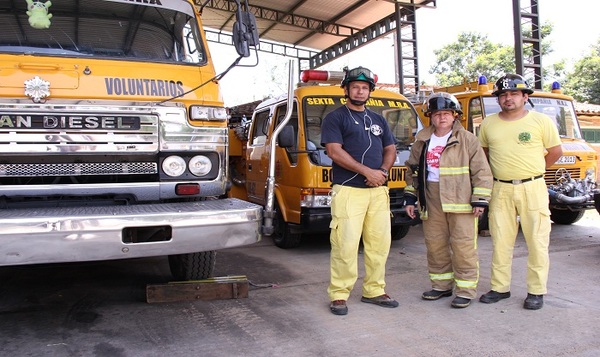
x,y
357,102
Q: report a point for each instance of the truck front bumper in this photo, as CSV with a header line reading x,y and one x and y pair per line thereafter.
x,y
75,234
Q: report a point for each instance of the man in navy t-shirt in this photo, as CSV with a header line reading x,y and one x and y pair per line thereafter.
x,y
362,147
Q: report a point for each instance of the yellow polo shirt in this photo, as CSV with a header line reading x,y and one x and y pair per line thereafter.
x,y
517,148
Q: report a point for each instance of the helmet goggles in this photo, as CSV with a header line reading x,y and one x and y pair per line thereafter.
x,y
360,71
441,101
360,74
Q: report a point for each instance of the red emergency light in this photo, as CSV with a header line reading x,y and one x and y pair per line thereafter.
x,y
313,75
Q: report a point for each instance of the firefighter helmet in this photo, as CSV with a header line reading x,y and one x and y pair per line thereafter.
x,y
441,101
511,82
359,74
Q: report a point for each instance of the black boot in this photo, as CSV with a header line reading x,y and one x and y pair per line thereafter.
x,y
460,302
436,294
493,296
534,302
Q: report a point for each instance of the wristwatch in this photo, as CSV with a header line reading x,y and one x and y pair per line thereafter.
x,y
385,172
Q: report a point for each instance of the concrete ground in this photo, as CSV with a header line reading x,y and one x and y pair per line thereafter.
x,y
99,309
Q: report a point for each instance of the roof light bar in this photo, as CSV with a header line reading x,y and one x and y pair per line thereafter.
x,y
313,75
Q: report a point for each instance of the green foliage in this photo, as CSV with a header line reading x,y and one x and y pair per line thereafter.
x,y
473,54
584,82
555,72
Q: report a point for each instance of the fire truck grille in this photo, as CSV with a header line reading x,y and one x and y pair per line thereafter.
x,y
77,169
550,176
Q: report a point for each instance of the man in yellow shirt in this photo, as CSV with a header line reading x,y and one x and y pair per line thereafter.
x,y
516,141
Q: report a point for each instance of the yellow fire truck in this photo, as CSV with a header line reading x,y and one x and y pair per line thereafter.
x,y
302,167
571,180
113,135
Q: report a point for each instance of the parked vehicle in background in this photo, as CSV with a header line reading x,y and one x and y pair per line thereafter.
x,y
302,167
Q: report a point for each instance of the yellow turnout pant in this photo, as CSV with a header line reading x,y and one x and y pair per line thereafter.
x,y
357,212
529,201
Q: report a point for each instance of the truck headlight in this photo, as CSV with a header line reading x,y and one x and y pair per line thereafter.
x,y
173,166
207,113
200,165
314,198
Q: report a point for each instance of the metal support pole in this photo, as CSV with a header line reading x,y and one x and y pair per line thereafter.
x,y
520,69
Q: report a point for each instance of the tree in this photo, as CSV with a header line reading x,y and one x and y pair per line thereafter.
x,y
473,54
584,82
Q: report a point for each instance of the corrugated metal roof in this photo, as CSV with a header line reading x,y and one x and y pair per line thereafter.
x,y
310,24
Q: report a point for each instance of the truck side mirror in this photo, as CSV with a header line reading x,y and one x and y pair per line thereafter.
x,y
245,33
285,139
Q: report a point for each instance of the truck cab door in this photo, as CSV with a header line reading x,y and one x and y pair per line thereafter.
x,y
257,156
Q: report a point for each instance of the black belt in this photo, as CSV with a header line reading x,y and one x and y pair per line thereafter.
x,y
517,182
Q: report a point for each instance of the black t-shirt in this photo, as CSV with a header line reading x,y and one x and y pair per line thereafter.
x,y
362,134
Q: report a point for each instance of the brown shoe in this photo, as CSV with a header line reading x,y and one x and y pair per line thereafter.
x,y
338,307
382,300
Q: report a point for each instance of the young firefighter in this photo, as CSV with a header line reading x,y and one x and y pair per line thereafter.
x,y
453,186
363,149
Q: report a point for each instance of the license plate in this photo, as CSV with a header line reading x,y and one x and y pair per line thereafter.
x,y
565,160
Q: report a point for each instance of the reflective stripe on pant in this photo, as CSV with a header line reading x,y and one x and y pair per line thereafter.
x,y
530,202
451,240
356,212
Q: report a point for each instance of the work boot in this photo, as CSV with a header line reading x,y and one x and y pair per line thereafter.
x,y
534,302
436,294
460,302
493,296
338,307
382,300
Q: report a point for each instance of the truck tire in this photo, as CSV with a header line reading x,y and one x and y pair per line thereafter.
x,y
193,266
399,232
283,237
561,216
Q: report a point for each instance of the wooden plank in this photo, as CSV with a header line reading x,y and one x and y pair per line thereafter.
x,y
220,288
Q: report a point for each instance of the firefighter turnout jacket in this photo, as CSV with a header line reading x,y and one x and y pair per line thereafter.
x,y
465,177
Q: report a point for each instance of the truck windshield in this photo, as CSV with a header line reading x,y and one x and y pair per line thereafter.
x,y
163,31
399,114
560,111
